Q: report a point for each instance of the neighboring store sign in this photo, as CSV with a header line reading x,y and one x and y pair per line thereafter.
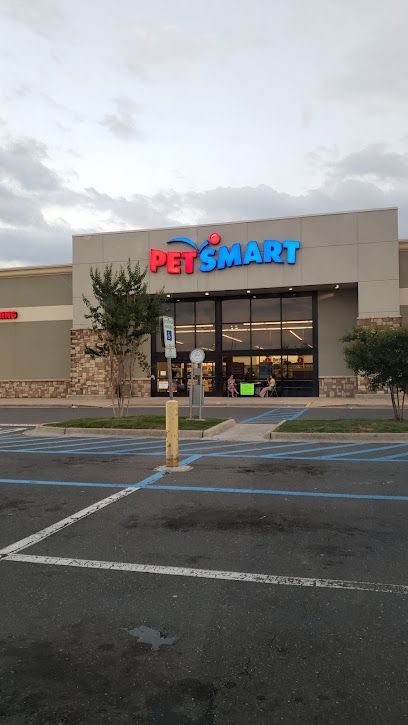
x,y
169,341
8,315
211,257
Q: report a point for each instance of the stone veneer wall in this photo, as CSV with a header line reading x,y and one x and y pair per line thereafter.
x,y
34,388
141,388
373,322
91,376
338,387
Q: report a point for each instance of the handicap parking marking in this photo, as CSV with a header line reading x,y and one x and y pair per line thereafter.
x,y
356,451
278,492
367,450
276,415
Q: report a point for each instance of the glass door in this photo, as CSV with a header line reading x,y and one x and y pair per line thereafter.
x,y
181,372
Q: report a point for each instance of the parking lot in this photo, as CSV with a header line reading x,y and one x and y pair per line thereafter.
x,y
266,584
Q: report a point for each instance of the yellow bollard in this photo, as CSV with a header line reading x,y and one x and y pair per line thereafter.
x,y
172,437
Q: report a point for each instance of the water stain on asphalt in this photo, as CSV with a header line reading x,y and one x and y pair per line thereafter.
x,y
154,637
249,521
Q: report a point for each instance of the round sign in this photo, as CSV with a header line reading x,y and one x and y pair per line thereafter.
x,y
197,356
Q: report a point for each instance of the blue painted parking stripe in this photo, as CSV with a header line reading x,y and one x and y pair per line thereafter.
x,y
80,447
277,414
55,441
323,448
253,446
369,450
121,445
298,415
12,436
396,456
274,492
189,459
305,449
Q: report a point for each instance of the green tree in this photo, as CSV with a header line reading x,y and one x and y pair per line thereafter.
x,y
122,315
381,356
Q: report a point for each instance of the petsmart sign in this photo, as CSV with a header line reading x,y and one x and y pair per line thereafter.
x,y
212,255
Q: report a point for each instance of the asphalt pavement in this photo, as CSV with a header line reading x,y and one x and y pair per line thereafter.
x,y
245,590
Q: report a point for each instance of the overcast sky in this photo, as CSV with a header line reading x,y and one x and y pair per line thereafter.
x,y
123,114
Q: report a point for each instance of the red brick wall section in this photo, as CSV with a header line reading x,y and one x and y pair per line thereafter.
x,y
34,388
338,387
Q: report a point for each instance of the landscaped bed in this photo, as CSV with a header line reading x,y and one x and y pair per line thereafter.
x,y
353,425
139,422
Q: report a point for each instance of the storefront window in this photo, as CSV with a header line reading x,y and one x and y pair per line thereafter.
x,y
266,323
234,310
236,323
260,336
236,336
297,322
185,328
205,325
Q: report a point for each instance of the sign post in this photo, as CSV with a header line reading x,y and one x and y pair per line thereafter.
x,y
172,426
197,357
169,344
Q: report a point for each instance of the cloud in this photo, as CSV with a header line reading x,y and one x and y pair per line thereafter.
x,y
122,123
374,160
24,162
18,209
42,17
372,72
39,211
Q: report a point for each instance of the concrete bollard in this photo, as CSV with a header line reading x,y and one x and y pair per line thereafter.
x,y
172,434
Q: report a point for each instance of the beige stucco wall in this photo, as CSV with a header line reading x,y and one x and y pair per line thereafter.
x,y
337,312
35,290
36,345
355,247
35,350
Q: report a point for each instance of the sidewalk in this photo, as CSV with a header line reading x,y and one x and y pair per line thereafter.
x,y
371,401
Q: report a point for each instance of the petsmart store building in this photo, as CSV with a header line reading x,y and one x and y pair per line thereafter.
x,y
259,297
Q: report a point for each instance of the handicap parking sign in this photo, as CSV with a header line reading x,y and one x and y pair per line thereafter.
x,y
169,335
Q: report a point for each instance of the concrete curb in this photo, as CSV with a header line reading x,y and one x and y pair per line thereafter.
x,y
338,437
50,430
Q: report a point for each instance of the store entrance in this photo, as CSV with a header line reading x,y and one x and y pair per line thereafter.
x,y
181,372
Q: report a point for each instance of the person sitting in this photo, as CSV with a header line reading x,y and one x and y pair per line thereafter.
x,y
232,387
270,388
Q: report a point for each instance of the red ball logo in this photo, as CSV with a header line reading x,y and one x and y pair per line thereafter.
x,y
214,238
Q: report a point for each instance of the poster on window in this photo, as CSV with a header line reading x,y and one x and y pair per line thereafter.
x,y
265,369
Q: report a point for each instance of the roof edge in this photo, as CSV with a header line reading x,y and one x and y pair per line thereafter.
x,y
236,221
36,271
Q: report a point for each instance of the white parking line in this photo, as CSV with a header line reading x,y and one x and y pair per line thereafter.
x,y
44,533
238,576
49,530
